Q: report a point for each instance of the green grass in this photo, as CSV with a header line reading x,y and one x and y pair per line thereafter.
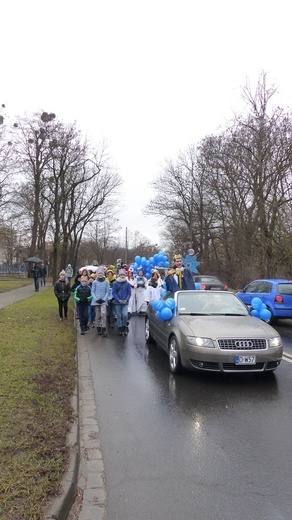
x,y
7,283
38,376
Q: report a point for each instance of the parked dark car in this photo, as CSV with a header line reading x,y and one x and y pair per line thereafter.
x,y
275,293
210,283
213,331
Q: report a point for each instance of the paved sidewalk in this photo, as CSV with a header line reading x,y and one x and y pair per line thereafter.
x,y
16,295
83,494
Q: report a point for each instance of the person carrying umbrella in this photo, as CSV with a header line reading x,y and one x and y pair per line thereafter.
x,y
36,272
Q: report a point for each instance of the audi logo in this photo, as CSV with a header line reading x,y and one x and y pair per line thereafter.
x,y
244,344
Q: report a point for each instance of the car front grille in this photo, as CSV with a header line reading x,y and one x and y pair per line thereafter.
x,y
242,344
231,367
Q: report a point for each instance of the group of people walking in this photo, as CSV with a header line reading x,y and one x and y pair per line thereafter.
x,y
106,295
110,294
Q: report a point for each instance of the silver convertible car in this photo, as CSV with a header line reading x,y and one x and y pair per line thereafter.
x,y
213,331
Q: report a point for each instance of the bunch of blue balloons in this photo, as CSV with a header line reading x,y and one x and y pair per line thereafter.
x,y
164,308
259,309
158,260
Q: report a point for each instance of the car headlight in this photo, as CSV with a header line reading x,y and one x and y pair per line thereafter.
x,y
275,342
199,342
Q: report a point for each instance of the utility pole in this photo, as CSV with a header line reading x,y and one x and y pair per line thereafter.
x,y
126,249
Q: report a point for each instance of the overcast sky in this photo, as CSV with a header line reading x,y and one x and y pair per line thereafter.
x,y
150,78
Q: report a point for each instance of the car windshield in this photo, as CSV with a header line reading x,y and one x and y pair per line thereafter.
x,y
210,302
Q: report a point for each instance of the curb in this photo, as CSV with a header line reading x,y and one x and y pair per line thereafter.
x,y
61,505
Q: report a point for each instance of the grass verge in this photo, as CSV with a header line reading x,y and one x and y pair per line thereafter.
x,y
38,376
7,283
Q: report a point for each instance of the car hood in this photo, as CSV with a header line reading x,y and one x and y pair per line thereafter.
x,y
233,326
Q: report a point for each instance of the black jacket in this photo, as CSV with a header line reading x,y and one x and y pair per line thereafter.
x,y
62,290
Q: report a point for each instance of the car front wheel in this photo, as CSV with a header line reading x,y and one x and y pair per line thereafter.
x,y
148,337
174,356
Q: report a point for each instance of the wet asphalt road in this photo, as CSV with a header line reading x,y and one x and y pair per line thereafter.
x,y
194,446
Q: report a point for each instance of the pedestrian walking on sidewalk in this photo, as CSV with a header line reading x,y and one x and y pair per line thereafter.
x,y
43,274
36,272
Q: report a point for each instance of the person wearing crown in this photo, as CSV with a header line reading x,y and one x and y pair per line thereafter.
x,y
179,278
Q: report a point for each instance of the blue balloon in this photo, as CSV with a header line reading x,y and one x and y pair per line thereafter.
x,y
158,315
166,264
256,303
255,313
165,314
265,314
138,260
198,286
170,303
155,258
158,305
155,304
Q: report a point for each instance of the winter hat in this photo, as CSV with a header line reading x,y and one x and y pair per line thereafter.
x,y
62,273
122,271
109,271
100,270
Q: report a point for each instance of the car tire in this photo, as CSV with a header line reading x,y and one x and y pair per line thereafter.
x,y
148,337
272,320
174,356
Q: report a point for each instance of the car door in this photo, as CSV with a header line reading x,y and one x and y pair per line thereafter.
x,y
249,292
258,289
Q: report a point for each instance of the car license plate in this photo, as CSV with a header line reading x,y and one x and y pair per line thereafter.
x,y
245,360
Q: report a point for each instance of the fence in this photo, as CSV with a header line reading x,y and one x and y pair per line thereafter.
x,y
14,270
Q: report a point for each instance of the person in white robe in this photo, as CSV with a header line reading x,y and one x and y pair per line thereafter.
x,y
132,302
153,291
141,286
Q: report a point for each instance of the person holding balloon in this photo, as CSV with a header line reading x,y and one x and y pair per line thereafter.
x,y
179,278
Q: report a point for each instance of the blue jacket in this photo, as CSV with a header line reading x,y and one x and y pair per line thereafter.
x,y
100,291
121,291
187,281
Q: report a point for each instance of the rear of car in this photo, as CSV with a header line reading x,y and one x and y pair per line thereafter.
x,y
210,283
275,293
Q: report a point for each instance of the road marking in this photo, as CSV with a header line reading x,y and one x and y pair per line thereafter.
x,y
287,357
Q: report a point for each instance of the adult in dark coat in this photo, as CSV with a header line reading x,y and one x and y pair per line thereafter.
x,y
43,274
36,272
179,278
